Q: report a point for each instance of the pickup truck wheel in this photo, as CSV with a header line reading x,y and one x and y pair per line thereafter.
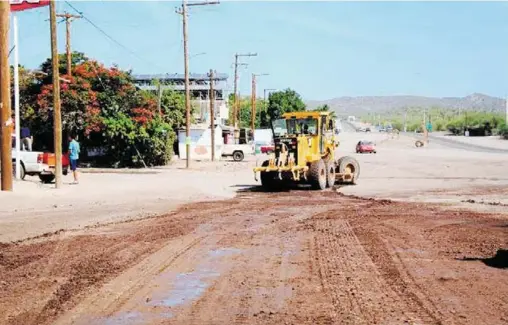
x,y
22,173
238,156
47,178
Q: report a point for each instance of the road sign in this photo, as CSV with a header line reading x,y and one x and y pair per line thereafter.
x,y
20,5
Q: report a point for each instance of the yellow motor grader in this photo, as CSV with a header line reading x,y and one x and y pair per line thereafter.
x,y
304,152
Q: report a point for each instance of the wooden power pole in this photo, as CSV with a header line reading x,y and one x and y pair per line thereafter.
x,y
57,117
253,101
253,105
5,99
68,18
236,106
183,11
212,113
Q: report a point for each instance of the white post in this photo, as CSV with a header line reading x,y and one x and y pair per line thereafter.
x,y
16,95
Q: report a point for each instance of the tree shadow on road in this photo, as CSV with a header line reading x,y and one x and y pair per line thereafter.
x,y
499,261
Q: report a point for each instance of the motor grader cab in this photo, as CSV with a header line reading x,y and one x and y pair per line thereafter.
x,y
305,146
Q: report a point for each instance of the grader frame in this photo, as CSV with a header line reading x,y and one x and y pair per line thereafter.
x,y
306,155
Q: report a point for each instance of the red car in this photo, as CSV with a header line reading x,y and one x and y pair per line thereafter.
x,y
267,149
365,146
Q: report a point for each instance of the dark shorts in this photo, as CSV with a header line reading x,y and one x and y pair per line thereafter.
x,y
74,164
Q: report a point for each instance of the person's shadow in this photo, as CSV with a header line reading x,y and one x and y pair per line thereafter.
x,y
500,260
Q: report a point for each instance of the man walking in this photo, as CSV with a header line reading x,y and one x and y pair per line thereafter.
x,y
74,156
26,139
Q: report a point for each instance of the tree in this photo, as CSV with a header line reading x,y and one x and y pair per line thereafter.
x,y
76,59
284,101
105,109
246,111
325,108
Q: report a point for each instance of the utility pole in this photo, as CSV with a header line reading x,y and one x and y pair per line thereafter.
x,y
183,11
405,119
68,18
212,113
253,99
5,99
506,105
57,117
236,108
253,105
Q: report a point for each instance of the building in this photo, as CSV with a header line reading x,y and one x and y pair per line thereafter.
x,y
199,91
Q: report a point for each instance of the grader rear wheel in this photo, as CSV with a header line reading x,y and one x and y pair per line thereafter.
x,y
349,165
317,175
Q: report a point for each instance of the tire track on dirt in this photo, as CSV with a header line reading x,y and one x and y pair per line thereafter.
x,y
357,289
116,293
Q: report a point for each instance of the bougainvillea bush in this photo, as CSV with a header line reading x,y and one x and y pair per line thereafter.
x,y
105,110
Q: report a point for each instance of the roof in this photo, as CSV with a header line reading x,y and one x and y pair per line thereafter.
x,y
179,76
313,114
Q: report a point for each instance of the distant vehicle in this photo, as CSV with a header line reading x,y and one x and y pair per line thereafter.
x,y
238,151
365,146
267,148
367,129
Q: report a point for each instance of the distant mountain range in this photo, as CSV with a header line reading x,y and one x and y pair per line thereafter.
x,y
376,104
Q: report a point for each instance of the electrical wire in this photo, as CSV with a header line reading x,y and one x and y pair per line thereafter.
x,y
109,36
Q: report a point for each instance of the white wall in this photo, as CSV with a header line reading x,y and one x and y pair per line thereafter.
x,y
201,147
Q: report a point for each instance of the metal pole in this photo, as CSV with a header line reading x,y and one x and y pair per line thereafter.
x,y
187,90
212,113
5,99
16,95
57,117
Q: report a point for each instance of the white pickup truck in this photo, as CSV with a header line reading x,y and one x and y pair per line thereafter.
x,y
238,151
35,163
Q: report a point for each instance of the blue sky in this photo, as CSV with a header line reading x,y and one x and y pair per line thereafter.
x,y
321,49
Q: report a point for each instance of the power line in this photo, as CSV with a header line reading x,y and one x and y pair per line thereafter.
x,y
109,36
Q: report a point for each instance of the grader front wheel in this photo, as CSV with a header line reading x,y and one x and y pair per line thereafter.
x,y
317,175
269,180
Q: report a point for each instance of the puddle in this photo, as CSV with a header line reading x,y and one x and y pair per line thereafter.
x,y
131,318
187,287
224,252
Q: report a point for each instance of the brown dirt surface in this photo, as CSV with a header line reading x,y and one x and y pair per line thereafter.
x,y
298,257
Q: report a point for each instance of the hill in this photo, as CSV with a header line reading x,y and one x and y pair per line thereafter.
x,y
377,104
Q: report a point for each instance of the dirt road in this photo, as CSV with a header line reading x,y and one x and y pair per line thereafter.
x,y
298,257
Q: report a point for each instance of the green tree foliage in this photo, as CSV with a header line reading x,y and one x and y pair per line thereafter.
x,y
325,108
442,119
76,59
104,108
284,101
245,112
